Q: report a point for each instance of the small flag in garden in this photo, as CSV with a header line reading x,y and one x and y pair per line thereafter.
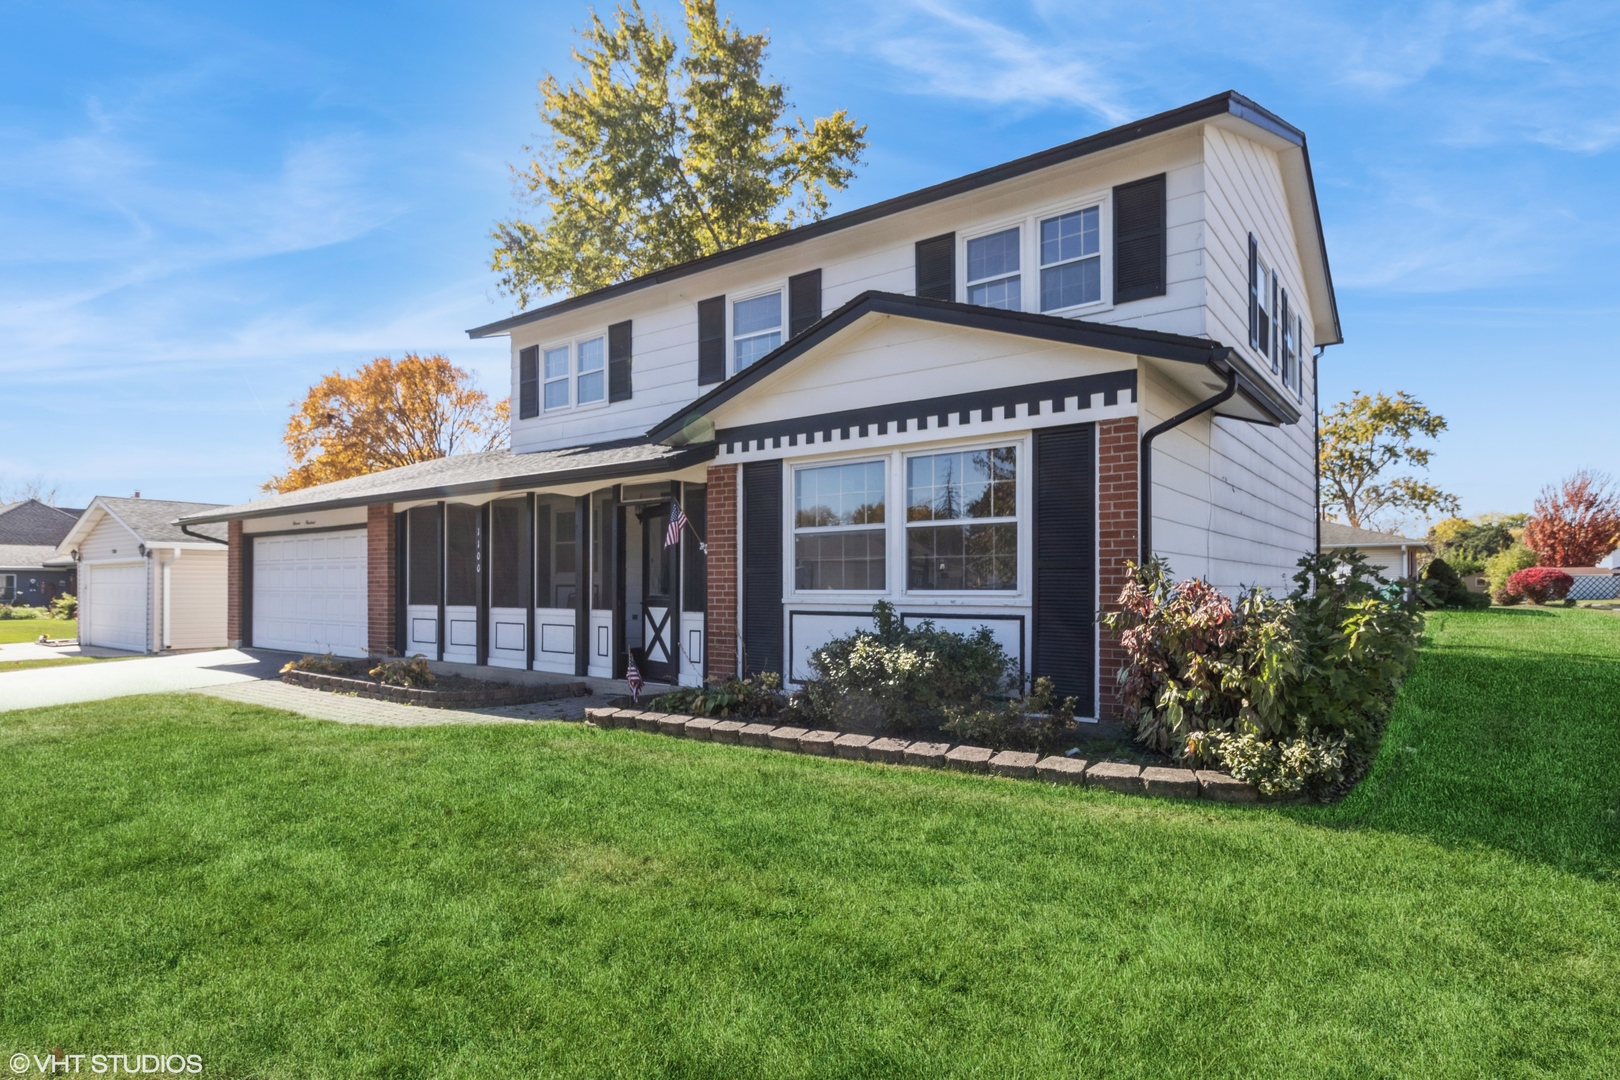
x,y
677,522
633,677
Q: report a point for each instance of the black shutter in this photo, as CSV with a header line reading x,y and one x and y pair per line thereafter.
x,y
936,267
619,361
762,566
529,382
1254,293
1139,247
804,302
711,340
1287,335
1276,326
1065,598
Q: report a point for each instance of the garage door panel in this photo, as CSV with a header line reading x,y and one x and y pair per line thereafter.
x,y
309,593
117,606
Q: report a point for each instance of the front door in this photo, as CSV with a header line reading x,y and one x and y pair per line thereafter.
x,y
659,597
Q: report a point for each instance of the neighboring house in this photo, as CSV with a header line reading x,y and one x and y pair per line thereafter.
x,y
977,401
1394,556
146,583
29,533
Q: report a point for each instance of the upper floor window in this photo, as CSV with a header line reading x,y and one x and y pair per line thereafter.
x,y
1071,260
556,378
835,543
756,328
962,520
1263,306
992,271
590,378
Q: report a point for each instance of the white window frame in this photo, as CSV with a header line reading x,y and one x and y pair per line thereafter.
x,y
8,582
572,377
1029,251
1022,225
1264,272
1018,520
732,300
895,537
795,530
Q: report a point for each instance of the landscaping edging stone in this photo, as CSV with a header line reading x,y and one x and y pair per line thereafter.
x,y
1012,764
495,694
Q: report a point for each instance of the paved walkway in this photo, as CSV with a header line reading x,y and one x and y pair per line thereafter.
x,y
343,709
74,683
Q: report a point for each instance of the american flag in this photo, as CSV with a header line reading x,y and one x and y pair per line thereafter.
x,y
633,677
677,522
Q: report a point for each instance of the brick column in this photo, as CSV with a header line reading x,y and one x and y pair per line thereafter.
x,y
380,622
720,621
1117,496
236,553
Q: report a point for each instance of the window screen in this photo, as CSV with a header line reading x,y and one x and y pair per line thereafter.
x,y
695,571
422,540
508,553
461,555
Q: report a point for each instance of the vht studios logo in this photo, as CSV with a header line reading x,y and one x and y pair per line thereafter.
x,y
105,1064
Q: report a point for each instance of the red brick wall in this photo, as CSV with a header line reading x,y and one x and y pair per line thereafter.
x,y
1117,495
235,630
380,594
720,622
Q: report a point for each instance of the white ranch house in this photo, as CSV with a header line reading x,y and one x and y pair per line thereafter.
x,y
977,401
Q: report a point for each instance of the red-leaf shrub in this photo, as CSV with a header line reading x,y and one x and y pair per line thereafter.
x,y
1540,584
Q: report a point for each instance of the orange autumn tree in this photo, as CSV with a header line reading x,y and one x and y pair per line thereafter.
x,y
1576,523
385,415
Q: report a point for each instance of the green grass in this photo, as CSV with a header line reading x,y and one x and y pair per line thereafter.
x,y
288,898
15,630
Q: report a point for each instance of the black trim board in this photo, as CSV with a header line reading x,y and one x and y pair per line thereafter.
x,y
1120,339
1228,103
1050,396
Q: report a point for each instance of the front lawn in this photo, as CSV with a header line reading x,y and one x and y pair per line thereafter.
x,y
15,630
289,898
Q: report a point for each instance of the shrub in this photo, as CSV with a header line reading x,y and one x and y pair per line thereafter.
x,y
21,611
412,672
1539,584
1504,564
1286,685
325,664
1038,722
899,678
65,606
757,696
1443,588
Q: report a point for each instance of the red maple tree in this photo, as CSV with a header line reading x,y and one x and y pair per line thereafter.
x,y
1576,523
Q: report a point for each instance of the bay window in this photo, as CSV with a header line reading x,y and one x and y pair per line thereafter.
x,y
838,527
992,271
962,520
1071,260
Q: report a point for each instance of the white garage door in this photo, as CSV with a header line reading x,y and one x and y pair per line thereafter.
x,y
309,593
117,606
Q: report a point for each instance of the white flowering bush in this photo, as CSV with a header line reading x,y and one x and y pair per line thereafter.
x,y
1278,767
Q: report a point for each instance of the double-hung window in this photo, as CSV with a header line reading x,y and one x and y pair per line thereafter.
x,y
1262,300
838,527
556,378
590,378
1071,260
962,520
992,270
756,328
1289,370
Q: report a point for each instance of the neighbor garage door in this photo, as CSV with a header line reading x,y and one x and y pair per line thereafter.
x,y
309,593
117,606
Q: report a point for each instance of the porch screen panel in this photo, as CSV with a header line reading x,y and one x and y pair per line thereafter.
x,y
762,566
1065,560
461,555
422,554
542,549
695,572
508,554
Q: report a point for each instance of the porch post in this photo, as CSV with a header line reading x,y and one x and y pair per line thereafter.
x,y
531,550
482,579
444,582
582,588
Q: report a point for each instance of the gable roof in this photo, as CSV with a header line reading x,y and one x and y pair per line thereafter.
x,y
1230,103
1122,339
152,521
1335,535
33,522
472,474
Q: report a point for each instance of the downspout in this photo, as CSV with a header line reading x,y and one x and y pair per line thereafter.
x,y
1144,549
165,626
1316,418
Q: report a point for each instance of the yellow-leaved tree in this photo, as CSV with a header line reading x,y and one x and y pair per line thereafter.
x,y
385,415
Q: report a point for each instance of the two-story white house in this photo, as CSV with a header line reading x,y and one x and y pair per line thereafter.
x,y
977,401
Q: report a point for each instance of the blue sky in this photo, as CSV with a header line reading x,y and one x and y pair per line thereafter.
x,y
204,207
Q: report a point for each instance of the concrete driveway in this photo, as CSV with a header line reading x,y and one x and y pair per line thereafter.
x,y
140,675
